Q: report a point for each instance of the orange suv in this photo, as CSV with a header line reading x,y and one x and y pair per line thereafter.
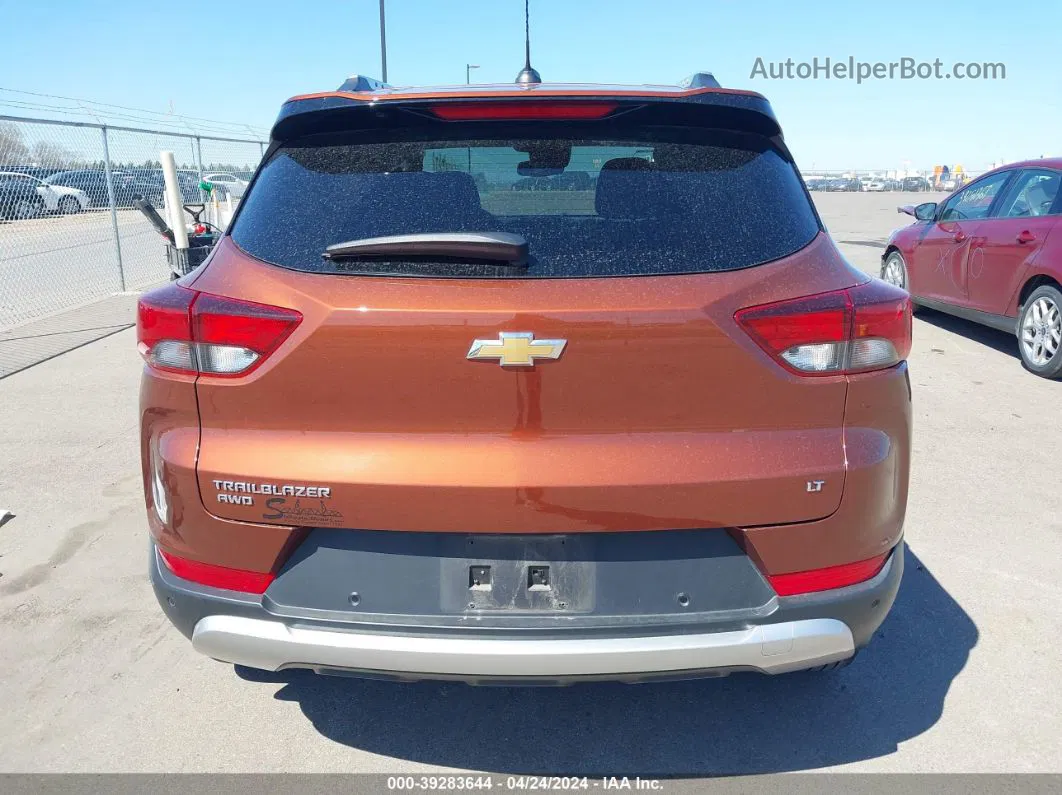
x,y
529,383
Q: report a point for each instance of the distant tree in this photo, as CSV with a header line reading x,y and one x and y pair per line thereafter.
x,y
52,155
13,151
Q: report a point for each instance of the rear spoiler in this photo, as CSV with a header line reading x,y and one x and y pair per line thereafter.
x,y
331,112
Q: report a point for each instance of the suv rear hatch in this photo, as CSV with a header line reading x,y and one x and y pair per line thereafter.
x,y
646,234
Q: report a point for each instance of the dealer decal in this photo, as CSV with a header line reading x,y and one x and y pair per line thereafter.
x,y
301,512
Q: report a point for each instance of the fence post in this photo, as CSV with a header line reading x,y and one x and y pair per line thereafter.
x,y
114,209
199,156
261,146
199,165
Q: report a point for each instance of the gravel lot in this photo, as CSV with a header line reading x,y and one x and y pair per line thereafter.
x,y
962,677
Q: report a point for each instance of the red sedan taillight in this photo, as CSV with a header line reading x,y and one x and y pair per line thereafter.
x,y
186,331
863,328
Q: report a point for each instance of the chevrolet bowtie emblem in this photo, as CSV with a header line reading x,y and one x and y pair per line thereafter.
x,y
516,349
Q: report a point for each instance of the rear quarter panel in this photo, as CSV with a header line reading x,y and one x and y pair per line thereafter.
x,y
870,517
169,423
1047,263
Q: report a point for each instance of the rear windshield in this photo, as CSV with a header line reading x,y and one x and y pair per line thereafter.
x,y
652,204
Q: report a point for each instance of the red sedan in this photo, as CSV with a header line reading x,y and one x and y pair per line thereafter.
x,y
991,252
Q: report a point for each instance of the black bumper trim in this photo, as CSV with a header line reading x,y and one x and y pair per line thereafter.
x,y
862,607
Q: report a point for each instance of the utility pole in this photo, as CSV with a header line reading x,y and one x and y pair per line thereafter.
x,y
383,44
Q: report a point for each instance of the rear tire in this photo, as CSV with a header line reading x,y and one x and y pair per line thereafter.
x,y
1040,332
68,205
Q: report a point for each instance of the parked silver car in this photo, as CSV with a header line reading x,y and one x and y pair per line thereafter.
x,y
228,184
56,198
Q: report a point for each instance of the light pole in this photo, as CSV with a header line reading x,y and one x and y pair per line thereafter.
x,y
383,45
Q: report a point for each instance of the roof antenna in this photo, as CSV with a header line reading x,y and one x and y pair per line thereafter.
x,y
528,75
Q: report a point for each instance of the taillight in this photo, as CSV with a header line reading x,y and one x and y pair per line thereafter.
x,y
522,109
826,579
217,576
882,319
186,331
164,328
863,328
233,337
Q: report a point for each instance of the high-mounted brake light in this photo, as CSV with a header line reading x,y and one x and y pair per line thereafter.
x,y
186,331
863,328
524,109
826,579
217,576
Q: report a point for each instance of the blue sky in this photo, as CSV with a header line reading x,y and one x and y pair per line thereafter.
x,y
237,60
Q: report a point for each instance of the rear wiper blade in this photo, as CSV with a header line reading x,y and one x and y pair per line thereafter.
x,y
500,247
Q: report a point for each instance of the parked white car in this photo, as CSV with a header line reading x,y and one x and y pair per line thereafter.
x,y
57,198
875,185
229,183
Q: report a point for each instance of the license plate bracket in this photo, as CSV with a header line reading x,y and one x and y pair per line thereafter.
x,y
538,574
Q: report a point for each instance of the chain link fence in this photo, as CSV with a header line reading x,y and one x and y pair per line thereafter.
x,y
69,235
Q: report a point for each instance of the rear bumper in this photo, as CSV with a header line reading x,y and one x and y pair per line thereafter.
x,y
770,634
772,649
